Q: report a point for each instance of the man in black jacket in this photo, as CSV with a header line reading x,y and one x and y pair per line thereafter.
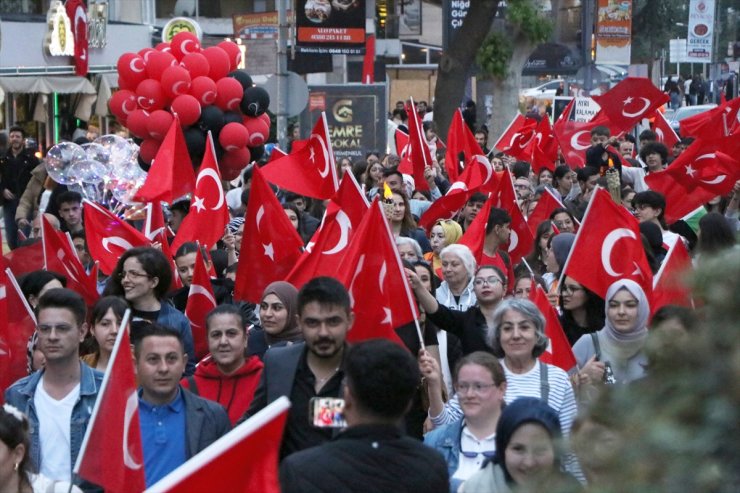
x,y
15,173
371,454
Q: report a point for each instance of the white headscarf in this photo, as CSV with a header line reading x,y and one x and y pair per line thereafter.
x,y
627,344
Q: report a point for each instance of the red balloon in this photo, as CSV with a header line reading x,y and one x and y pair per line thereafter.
x,y
184,43
229,93
233,136
204,90
145,52
122,104
150,95
131,69
235,54
219,63
148,150
187,108
137,123
258,130
175,81
164,46
237,159
265,118
159,123
229,174
196,64
158,62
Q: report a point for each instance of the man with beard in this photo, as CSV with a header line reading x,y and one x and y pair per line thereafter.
x,y
310,369
15,173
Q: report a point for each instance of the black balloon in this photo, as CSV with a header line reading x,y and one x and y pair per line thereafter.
x,y
244,78
232,117
256,152
255,101
211,118
195,140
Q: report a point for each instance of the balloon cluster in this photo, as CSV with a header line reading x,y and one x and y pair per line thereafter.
x,y
108,164
204,89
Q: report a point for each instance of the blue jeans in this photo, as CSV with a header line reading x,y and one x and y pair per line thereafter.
x,y
11,229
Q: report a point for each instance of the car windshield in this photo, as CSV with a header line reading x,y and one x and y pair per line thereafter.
x,y
687,112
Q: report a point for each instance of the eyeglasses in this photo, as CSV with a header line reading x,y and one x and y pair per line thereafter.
x,y
477,388
480,281
521,186
132,274
570,289
488,454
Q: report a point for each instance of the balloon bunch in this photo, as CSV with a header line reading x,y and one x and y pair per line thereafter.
x,y
206,91
108,164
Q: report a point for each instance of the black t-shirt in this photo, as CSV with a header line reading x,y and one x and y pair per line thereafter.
x,y
139,319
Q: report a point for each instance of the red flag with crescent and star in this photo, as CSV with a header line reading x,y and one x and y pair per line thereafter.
x,y
664,131
671,283
326,250
108,236
575,137
374,277
309,170
17,324
418,155
631,100
271,244
460,141
201,300
608,247
548,202
208,214
558,351
111,454
78,17
518,137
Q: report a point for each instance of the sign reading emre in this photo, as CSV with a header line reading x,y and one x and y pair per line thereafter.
x,y
330,26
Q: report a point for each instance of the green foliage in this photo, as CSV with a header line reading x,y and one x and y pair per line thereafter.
x,y
525,15
494,55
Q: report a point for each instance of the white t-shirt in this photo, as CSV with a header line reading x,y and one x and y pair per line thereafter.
x,y
55,417
469,443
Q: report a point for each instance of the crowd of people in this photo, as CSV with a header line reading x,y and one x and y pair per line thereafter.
x,y
470,407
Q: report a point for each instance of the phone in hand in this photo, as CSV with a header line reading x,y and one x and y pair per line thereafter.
x,y
327,412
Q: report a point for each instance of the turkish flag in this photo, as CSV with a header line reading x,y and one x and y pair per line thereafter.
x,y
664,131
368,62
722,120
171,175
373,274
245,460
544,147
25,259
558,352
706,169
61,257
475,235
201,301
309,170
108,237
548,202
17,324
521,238
209,215
477,173
631,100
328,246
418,157
595,261
518,137
461,146
156,230
401,139
575,137
271,244
277,153
78,17
670,286
111,454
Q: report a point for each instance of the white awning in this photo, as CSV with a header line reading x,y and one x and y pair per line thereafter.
x,y
47,85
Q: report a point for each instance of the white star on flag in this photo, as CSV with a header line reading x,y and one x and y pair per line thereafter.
x,y
628,101
312,155
690,171
269,251
198,203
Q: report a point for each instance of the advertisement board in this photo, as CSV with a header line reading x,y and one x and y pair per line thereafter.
x,y
701,31
614,32
355,114
330,26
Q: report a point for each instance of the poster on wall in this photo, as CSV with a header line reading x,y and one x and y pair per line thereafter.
x,y
409,18
355,115
330,27
614,32
701,31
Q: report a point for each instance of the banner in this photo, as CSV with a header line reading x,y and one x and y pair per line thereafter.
x,y
330,27
701,31
257,26
614,32
453,15
355,115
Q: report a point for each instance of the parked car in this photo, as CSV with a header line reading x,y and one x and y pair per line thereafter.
x,y
546,90
687,111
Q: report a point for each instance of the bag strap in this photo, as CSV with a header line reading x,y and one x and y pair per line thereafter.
x,y
597,346
544,383
192,386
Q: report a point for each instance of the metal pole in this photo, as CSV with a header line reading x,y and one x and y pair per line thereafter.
x,y
588,32
282,74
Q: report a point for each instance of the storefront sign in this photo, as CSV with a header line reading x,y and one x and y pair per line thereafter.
x,y
59,38
330,27
258,26
701,31
180,24
355,115
453,13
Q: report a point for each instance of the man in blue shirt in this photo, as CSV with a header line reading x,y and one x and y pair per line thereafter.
x,y
175,424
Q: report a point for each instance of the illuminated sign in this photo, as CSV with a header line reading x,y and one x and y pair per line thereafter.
x,y
178,25
59,39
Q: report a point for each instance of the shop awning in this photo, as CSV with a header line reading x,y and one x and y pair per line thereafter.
x,y
47,85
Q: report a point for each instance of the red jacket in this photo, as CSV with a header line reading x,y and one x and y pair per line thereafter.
x,y
234,392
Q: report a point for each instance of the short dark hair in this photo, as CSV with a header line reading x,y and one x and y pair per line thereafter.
x,y
583,174
653,199
497,217
520,169
32,283
17,128
601,130
226,309
190,247
478,197
648,135
382,376
154,263
654,148
392,171
64,298
324,290
561,171
68,196
150,329
181,205
685,315
101,307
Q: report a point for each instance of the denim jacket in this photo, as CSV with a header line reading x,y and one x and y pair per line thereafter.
x,y
171,317
446,440
21,395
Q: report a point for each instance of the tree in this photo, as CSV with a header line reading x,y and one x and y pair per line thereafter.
x,y
455,64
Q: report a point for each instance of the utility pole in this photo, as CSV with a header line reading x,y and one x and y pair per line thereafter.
x,y
587,30
282,74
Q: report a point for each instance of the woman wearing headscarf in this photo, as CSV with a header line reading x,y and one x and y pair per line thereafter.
x,y
616,353
528,453
444,232
278,323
